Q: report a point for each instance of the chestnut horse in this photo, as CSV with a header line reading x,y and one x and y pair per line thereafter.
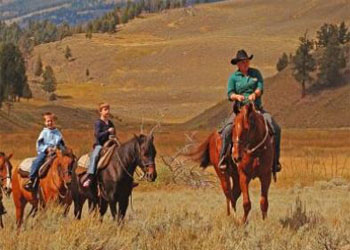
x,y
208,153
5,181
54,186
253,152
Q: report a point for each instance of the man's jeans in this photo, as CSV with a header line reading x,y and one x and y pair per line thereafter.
x,y
36,165
95,156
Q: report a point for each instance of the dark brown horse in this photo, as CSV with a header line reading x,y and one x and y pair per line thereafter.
x,y
5,181
208,153
253,152
114,182
52,187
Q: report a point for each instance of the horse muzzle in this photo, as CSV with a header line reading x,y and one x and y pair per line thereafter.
x,y
151,174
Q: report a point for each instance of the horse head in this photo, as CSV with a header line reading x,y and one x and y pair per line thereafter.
x,y
243,123
5,173
147,155
66,160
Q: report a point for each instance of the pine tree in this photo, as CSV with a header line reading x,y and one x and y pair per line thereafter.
x,y
325,33
12,73
331,62
49,80
282,62
304,63
38,66
27,92
343,33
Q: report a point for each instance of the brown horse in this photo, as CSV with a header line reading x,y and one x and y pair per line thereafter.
x,y
5,181
208,153
253,152
54,186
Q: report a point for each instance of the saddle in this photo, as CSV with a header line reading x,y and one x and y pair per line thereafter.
x,y
105,157
26,165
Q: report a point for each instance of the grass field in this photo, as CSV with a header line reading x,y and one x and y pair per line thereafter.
x,y
171,216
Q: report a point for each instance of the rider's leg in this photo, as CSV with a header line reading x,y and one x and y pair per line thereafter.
x,y
277,133
95,156
40,159
94,159
226,137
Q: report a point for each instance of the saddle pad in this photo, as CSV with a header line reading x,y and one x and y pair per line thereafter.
x,y
26,165
105,157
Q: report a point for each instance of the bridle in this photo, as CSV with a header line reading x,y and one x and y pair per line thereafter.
x,y
7,177
62,174
252,150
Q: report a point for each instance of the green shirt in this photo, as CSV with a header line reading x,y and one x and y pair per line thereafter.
x,y
246,85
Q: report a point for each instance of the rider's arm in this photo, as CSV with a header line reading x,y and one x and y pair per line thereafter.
x,y
99,132
260,84
41,146
231,88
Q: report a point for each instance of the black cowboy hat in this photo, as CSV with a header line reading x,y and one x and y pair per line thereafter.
x,y
240,56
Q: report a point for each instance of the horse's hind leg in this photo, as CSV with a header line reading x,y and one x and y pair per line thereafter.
x,y
20,205
32,211
265,185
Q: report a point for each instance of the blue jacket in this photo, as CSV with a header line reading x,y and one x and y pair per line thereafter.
x,y
49,138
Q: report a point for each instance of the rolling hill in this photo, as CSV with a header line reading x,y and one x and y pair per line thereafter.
x,y
175,64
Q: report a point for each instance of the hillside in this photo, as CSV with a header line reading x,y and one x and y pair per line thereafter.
x,y
328,109
176,64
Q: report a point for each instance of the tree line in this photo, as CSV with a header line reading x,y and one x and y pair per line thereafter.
x,y
320,62
17,43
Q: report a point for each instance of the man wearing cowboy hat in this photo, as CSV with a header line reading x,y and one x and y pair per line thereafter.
x,y
246,85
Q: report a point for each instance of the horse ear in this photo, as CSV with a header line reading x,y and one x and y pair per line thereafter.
x,y
137,138
59,153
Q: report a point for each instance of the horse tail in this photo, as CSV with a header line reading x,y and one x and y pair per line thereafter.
x,y
201,153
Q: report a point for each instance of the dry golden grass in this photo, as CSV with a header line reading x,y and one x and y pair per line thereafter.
x,y
170,216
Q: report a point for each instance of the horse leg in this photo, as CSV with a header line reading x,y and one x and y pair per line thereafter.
x,y
20,211
113,207
244,183
103,207
78,207
236,190
123,206
225,184
265,181
32,211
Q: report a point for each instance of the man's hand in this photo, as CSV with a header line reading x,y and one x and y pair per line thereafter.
x,y
239,98
252,97
111,131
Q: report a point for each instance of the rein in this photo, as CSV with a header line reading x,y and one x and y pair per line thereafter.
x,y
250,151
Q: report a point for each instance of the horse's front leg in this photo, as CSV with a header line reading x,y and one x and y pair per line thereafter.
x,y
244,184
265,181
236,190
